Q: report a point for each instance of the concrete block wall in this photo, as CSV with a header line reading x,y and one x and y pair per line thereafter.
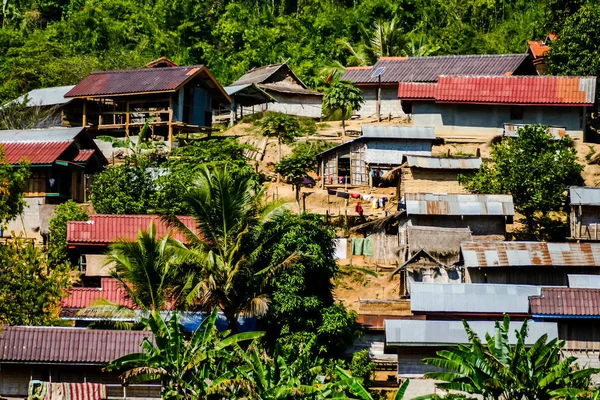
x,y
389,102
27,224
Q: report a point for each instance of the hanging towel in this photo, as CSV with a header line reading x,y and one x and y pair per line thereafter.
x,y
355,195
381,202
358,209
357,246
368,247
344,195
366,197
331,192
374,204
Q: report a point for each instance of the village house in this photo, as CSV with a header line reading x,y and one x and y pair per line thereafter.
x,y
365,160
417,339
172,100
584,215
68,355
379,83
429,174
62,162
538,50
528,263
88,240
282,85
50,107
467,106
486,215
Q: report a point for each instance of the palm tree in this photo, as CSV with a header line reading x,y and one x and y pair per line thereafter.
x,y
230,216
497,370
193,368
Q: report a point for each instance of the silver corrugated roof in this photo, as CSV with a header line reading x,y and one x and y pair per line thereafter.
x,y
450,333
46,97
39,135
443,162
398,132
584,281
471,297
522,254
459,204
584,195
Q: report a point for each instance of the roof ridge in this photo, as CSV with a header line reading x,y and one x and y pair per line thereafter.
x,y
37,141
471,56
122,71
511,77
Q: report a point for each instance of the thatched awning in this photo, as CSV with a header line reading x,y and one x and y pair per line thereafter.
x,y
435,240
379,224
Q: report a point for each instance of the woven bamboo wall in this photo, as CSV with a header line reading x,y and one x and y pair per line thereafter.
x,y
421,180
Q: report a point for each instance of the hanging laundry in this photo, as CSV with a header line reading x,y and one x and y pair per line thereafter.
x,y
368,247
344,195
366,197
359,209
355,195
332,192
357,246
375,203
381,202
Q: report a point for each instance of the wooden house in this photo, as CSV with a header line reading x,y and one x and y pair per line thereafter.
x,y
486,215
62,161
429,174
173,100
68,355
380,148
584,216
528,263
291,96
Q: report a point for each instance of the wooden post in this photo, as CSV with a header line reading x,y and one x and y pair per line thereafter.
x,y
322,173
378,105
84,118
233,111
170,128
127,116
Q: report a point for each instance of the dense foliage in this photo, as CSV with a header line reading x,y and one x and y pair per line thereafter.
x,y
495,369
30,291
57,42
122,189
57,242
342,97
534,167
12,184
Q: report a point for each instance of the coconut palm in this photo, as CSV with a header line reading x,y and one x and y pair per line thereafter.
x,y
202,366
497,370
230,214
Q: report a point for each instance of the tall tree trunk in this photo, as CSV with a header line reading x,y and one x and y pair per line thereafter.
x,y
298,198
343,125
278,157
232,323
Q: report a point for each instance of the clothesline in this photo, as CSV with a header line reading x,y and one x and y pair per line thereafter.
x,y
376,202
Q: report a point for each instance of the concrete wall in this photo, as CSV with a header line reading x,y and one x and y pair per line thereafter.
x,y
390,105
475,119
28,223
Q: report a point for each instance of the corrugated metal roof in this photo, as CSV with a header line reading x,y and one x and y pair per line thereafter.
x,y
111,290
39,135
459,204
443,162
28,344
103,229
428,69
397,132
471,297
523,254
566,302
584,195
52,96
83,156
262,74
584,281
34,152
573,90
450,333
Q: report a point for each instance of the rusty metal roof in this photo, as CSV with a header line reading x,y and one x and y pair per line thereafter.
x,y
459,204
563,302
432,162
584,196
523,254
428,69
59,345
110,289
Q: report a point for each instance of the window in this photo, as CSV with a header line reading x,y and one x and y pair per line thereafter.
x,y
407,106
516,113
82,264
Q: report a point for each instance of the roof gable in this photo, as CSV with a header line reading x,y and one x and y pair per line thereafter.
x,y
267,75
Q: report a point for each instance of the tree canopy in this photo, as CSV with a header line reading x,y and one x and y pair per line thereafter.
x,y
12,184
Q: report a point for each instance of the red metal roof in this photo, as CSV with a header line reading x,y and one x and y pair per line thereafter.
x,y
34,152
103,229
416,90
111,290
141,80
428,69
524,90
84,155
56,345
566,301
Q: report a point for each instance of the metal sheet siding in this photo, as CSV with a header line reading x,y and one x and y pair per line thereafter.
x,y
67,345
584,195
458,204
513,254
428,69
105,229
443,333
584,281
392,152
566,302
471,298
397,132
133,81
